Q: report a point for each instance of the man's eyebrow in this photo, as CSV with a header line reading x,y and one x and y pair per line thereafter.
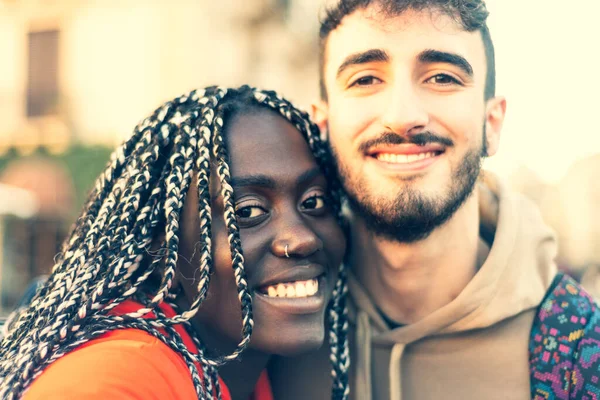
x,y
436,56
363,57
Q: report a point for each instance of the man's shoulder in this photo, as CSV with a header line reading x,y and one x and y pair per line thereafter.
x,y
564,346
567,305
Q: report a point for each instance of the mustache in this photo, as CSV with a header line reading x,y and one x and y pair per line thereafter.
x,y
419,139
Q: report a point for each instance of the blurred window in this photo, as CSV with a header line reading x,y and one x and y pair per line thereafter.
x,y
285,4
42,74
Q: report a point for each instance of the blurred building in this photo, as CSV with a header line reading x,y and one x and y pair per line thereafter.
x,y
78,73
526,181
579,197
91,69
30,242
16,204
571,208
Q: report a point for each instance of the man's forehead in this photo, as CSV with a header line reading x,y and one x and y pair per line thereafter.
x,y
369,28
387,22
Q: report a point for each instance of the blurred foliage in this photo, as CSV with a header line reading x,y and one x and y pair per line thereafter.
x,y
83,163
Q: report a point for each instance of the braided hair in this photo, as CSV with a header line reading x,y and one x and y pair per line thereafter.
x,y
139,197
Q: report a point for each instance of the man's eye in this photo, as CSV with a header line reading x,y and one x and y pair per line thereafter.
x,y
366,81
443,79
249,212
314,203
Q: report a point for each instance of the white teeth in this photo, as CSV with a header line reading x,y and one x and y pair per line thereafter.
x,y
294,289
403,158
281,290
312,287
300,289
291,291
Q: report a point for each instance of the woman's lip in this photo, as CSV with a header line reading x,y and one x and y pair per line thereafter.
x,y
294,273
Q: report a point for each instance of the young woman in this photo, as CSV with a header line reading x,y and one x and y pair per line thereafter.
x,y
227,187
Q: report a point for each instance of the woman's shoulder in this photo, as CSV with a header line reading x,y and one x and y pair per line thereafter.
x,y
124,364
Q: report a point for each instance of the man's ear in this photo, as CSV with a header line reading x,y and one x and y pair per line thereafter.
x,y
495,111
319,113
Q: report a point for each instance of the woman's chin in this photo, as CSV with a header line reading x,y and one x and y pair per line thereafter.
x,y
284,333
294,349
300,341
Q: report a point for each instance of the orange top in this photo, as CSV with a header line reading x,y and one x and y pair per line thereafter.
x,y
127,364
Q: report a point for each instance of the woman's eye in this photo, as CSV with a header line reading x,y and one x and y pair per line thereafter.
x,y
249,212
314,202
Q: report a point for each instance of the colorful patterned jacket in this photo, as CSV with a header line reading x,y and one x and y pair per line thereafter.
x,y
564,348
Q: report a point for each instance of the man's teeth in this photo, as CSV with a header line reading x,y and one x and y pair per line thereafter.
x,y
404,158
294,289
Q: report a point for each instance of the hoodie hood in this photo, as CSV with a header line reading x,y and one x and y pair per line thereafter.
x,y
514,278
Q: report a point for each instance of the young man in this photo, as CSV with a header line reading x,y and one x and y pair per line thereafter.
x,y
454,292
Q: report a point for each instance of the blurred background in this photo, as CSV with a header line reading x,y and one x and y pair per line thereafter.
x,y
77,75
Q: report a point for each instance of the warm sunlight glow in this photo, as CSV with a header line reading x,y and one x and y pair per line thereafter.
x,y
547,63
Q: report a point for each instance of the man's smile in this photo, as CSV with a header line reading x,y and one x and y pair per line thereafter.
x,y
406,157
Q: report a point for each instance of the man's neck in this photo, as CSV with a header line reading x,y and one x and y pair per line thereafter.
x,y
408,282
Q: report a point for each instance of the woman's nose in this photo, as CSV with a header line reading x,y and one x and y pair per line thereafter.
x,y
296,239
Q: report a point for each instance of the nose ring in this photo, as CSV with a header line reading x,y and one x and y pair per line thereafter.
x,y
285,250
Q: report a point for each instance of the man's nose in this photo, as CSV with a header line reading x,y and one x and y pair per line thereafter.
x,y
404,114
295,238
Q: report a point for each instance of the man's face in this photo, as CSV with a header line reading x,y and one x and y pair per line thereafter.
x,y
407,118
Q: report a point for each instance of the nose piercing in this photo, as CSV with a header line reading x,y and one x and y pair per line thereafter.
x,y
285,250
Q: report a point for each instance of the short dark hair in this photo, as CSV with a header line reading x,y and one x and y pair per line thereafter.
x,y
470,14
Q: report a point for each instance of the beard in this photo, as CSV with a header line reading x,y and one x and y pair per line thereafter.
x,y
412,216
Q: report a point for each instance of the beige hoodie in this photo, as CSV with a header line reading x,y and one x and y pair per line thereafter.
x,y
473,348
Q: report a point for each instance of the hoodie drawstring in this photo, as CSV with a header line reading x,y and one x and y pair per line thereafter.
x,y
362,386
395,369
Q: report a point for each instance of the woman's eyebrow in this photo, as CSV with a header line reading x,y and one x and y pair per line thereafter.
x,y
253,180
268,182
308,176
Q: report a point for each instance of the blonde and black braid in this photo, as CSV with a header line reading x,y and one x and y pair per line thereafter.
x,y
139,197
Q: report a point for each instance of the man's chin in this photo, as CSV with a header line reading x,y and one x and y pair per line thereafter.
x,y
405,218
404,229
409,211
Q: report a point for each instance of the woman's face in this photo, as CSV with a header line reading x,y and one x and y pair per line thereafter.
x,y
280,200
